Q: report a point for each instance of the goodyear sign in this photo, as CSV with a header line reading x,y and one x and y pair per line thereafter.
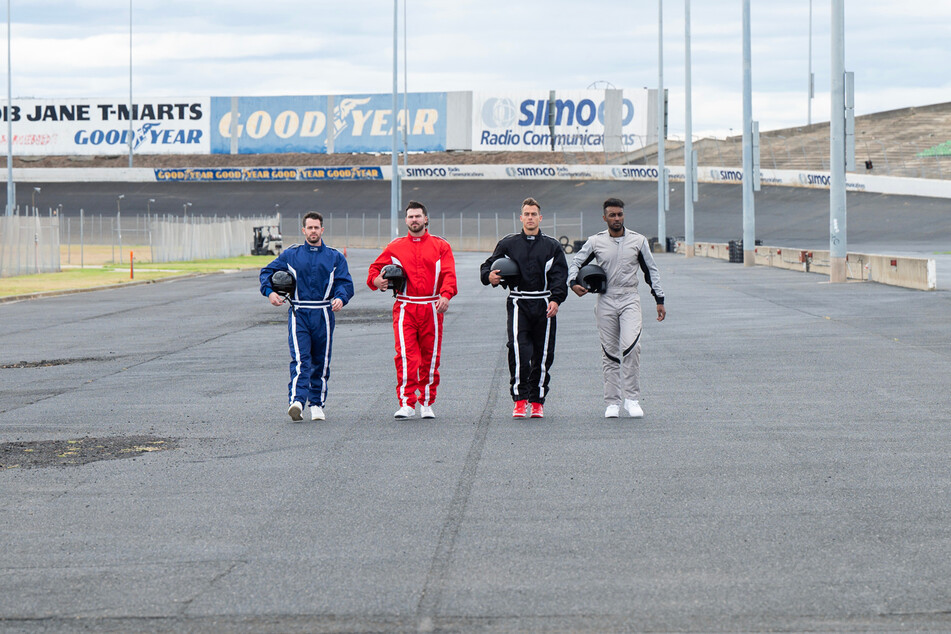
x,y
523,121
318,124
96,126
267,174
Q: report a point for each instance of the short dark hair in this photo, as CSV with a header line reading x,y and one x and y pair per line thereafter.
x,y
531,202
314,216
414,204
613,202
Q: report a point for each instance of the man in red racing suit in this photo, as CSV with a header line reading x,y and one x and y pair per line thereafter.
x,y
430,282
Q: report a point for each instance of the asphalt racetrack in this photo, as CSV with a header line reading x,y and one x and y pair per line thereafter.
x,y
791,473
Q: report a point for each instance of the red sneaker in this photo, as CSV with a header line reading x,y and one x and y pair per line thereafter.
x,y
521,409
538,410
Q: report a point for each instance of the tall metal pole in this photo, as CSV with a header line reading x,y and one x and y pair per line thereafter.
x,y
394,162
11,195
405,104
131,139
749,224
811,89
837,239
688,141
661,181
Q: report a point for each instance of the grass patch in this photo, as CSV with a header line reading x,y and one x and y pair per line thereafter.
x,y
71,278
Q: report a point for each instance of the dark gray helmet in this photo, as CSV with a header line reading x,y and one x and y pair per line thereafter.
x,y
593,278
283,283
508,271
394,275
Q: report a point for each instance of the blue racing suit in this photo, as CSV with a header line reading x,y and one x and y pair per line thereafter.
x,y
321,275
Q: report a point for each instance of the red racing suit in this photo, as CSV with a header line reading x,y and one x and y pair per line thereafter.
x,y
430,271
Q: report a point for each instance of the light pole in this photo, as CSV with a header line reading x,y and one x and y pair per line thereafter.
x,y
689,166
185,207
148,206
394,161
812,80
36,190
119,223
661,140
11,195
131,138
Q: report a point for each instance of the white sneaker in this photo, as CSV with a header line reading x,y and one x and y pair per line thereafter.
x,y
633,408
405,412
317,413
612,411
425,411
295,410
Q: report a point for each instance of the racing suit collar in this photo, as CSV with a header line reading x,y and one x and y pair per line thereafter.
x,y
421,238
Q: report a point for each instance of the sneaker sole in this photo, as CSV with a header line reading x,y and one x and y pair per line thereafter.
x,y
296,415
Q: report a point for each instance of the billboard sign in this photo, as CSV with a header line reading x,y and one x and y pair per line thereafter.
x,y
521,121
321,124
101,127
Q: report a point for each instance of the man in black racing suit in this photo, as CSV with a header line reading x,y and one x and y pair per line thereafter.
x,y
532,305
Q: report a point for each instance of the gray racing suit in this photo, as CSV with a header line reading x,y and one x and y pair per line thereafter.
x,y
618,309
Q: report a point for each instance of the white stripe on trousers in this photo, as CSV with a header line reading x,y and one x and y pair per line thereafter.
x,y
544,372
403,402
432,364
326,371
296,356
518,358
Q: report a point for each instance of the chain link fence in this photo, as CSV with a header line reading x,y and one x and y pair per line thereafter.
x,y
29,244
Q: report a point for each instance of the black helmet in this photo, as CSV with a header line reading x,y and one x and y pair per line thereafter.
x,y
283,283
593,278
395,276
508,271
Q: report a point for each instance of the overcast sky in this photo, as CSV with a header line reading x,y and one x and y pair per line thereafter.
x,y
899,51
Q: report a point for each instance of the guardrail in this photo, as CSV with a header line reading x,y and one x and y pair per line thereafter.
x,y
905,271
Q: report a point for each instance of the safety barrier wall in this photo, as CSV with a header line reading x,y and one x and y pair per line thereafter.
x,y
932,188
908,272
29,244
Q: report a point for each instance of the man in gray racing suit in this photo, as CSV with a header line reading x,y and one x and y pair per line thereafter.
x,y
620,252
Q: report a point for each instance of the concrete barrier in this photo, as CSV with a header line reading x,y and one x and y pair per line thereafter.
x,y
908,272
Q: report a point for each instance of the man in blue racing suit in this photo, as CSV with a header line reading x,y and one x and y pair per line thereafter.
x,y
323,286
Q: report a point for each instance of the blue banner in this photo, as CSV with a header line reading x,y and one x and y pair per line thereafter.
x,y
364,123
269,125
357,123
259,174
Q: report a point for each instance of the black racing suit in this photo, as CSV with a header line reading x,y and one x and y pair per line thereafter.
x,y
531,335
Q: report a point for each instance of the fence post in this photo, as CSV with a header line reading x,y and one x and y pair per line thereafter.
x,y
554,225
69,241
82,242
119,229
479,231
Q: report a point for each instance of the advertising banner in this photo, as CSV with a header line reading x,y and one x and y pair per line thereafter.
x,y
322,124
266,174
521,121
46,127
365,123
268,125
